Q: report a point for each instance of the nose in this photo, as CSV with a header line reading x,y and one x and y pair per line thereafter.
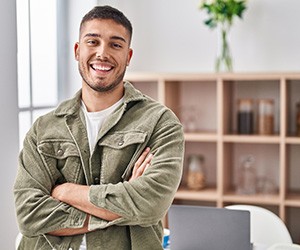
x,y
102,52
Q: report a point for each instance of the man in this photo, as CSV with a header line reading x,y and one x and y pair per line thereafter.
x,y
101,171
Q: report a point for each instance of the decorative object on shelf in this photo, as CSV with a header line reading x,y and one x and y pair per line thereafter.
x,y
189,118
196,172
221,14
245,116
265,185
246,181
265,121
298,119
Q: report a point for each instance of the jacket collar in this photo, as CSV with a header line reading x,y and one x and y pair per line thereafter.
x,y
72,106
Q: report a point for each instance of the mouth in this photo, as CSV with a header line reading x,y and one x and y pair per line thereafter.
x,y
101,68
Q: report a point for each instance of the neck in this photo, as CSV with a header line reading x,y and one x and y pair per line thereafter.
x,y
97,101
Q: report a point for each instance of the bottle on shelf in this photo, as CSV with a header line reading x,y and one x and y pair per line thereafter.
x,y
265,121
245,116
246,181
196,172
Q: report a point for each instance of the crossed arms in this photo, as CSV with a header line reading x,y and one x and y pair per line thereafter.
x,y
77,196
143,200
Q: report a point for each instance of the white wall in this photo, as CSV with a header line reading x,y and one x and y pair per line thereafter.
x,y
9,122
169,36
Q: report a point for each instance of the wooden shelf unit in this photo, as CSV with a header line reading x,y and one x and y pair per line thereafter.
x,y
206,105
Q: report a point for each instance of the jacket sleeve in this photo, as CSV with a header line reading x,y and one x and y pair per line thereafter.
x,y
146,200
37,212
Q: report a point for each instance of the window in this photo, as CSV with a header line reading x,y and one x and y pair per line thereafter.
x,y
37,60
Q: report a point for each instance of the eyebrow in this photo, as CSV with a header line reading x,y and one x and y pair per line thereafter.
x,y
98,35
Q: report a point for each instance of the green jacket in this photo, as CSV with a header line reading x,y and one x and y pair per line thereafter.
x,y
56,150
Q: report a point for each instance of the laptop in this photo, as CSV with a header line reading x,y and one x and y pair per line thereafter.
x,y
208,228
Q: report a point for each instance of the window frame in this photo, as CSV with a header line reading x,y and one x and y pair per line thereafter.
x,y
31,108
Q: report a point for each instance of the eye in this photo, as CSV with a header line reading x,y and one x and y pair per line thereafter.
x,y
116,45
92,42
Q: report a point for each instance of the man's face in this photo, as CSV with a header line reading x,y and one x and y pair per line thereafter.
x,y
103,53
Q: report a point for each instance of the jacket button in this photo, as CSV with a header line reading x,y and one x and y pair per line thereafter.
x,y
96,180
121,143
60,152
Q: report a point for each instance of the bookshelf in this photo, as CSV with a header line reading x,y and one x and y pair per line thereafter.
x,y
206,106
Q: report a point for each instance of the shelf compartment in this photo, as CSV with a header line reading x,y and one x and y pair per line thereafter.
x,y
293,97
292,214
293,173
195,103
266,166
208,151
233,90
149,88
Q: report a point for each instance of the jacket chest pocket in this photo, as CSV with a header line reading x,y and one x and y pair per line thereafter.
x,y
118,149
62,160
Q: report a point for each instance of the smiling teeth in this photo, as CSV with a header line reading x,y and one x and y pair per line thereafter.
x,y
98,67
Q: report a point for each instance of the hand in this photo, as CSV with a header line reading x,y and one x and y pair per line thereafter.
x,y
61,191
78,196
141,164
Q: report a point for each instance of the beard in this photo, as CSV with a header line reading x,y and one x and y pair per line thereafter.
x,y
98,84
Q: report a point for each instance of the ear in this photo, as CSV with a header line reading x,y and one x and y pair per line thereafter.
x,y
130,53
76,51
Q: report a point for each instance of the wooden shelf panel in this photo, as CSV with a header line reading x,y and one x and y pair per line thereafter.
x,y
292,140
252,139
252,199
213,137
208,194
255,76
201,137
293,200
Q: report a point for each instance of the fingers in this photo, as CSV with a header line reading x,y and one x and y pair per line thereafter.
x,y
141,159
141,169
141,164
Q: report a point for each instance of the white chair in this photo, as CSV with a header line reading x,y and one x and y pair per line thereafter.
x,y
284,246
267,228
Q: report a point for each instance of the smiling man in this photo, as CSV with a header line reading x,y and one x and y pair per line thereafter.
x,y
100,171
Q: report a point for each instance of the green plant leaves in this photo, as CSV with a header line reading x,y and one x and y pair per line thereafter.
x,y
221,11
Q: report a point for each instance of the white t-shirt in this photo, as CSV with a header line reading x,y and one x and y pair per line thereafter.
x,y
94,121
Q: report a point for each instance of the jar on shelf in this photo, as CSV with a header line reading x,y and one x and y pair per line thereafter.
x,y
298,119
245,116
265,118
246,181
196,172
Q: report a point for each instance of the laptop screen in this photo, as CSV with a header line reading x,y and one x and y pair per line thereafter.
x,y
208,228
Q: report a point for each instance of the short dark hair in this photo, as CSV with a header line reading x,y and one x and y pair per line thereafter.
x,y
108,12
